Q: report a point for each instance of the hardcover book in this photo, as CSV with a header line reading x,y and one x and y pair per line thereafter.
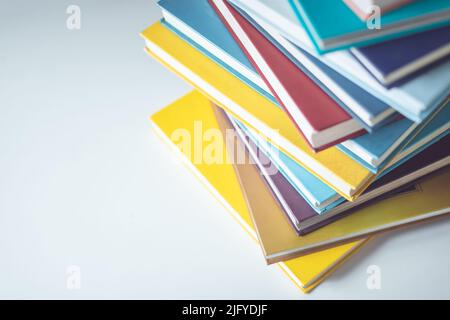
x,y
364,8
338,28
398,61
428,200
325,200
415,99
197,21
320,119
438,129
278,14
318,195
374,151
362,105
221,180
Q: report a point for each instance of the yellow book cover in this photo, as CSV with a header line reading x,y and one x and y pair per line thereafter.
x,y
189,125
332,166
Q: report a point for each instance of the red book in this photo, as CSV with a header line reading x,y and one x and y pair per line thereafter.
x,y
319,118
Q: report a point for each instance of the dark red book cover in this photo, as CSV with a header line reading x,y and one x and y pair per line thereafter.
x,y
320,110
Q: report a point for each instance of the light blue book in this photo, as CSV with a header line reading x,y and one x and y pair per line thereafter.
x,y
197,21
319,196
374,151
416,99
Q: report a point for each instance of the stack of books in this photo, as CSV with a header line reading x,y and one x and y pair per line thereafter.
x,y
318,124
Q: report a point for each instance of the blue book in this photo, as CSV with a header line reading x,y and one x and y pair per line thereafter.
x,y
396,61
197,22
332,25
373,151
221,63
376,150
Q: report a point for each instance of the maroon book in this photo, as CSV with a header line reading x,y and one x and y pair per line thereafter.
x,y
320,119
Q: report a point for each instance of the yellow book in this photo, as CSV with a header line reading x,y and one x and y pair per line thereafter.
x,y
339,171
188,126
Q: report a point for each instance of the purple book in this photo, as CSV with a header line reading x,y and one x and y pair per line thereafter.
x,y
397,61
305,220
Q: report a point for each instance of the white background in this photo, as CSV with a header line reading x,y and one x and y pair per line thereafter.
x,y
85,182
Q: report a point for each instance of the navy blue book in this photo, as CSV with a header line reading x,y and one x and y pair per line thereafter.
x,y
395,62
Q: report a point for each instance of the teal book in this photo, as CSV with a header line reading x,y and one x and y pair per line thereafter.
x,y
332,25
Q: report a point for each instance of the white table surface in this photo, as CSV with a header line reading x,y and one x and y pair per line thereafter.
x,y
85,182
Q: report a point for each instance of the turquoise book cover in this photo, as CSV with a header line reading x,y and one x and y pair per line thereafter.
x,y
333,25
